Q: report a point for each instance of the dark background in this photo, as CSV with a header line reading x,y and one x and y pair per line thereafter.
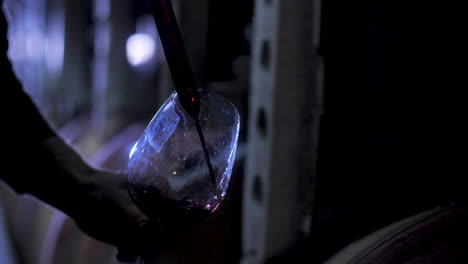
x,y
392,134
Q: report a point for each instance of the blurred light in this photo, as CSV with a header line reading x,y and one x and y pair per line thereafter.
x,y
55,43
102,9
27,35
102,36
133,150
141,48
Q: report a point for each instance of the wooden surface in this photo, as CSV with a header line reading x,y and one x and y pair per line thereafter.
x,y
436,236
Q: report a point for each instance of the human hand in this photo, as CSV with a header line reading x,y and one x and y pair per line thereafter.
x,y
100,204
106,212
97,200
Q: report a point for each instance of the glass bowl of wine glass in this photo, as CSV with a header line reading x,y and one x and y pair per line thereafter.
x,y
180,167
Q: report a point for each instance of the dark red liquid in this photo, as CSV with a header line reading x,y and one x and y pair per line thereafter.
x,y
166,211
176,56
207,155
163,214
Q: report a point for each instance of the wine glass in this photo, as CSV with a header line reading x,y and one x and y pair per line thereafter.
x,y
169,172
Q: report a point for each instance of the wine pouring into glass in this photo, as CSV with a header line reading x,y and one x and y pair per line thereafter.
x,y
179,66
182,163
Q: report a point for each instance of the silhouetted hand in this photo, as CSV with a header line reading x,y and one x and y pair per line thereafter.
x,y
107,213
100,204
97,200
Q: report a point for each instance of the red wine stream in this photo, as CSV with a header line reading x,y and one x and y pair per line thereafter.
x,y
207,155
176,56
179,66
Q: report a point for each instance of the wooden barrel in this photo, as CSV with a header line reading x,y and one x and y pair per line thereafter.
x,y
433,237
